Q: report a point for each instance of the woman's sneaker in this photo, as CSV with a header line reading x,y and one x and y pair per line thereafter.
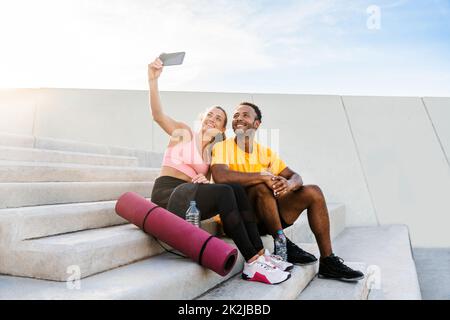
x,y
277,261
260,271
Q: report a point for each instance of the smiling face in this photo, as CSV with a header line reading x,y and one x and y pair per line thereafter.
x,y
214,119
244,119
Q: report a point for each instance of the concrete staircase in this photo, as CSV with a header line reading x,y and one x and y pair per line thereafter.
x,y
57,211
382,253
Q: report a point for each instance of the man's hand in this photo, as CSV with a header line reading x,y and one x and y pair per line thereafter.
x,y
278,184
200,178
281,186
268,179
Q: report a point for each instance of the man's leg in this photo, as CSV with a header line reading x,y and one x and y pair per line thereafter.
x,y
265,206
311,198
267,211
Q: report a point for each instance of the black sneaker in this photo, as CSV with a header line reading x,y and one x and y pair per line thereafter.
x,y
299,256
333,267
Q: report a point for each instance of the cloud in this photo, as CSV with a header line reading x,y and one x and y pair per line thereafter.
x,y
231,45
106,43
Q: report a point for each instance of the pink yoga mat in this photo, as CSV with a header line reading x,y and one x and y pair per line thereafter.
x,y
196,243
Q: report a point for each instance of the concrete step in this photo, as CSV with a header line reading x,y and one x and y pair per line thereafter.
x,y
433,271
74,146
93,251
145,158
238,289
386,251
43,221
20,171
161,277
299,233
41,155
164,276
109,247
323,289
302,233
45,193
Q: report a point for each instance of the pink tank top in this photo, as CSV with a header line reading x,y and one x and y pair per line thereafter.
x,y
186,157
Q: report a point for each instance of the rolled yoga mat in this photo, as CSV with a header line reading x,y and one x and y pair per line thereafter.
x,y
209,251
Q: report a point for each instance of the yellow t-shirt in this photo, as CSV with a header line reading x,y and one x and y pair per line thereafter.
x,y
262,159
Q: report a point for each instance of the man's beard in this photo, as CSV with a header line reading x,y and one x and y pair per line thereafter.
x,y
239,132
243,134
246,130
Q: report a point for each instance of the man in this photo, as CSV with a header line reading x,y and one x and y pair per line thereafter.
x,y
277,192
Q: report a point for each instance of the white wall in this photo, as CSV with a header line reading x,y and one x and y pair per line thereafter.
x,y
17,110
386,158
112,117
439,113
408,175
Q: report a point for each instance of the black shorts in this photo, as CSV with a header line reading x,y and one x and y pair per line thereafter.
x,y
263,230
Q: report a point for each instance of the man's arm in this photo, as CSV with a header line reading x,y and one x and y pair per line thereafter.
x,y
222,174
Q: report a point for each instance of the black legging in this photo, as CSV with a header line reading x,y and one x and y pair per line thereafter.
x,y
228,200
238,218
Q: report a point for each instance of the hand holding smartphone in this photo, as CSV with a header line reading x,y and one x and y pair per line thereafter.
x,y
172,59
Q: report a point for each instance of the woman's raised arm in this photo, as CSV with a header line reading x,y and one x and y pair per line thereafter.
x,y
168,124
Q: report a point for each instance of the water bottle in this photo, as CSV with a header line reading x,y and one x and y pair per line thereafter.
x,y
281,245
193,214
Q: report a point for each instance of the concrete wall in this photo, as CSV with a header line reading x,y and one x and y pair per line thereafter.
x,y
109,117
17,110
406,168
439,115
386,158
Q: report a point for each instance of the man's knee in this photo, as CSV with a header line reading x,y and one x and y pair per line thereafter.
x,y
260,190
313,192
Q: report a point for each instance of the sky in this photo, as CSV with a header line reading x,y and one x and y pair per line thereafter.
x,y
378,47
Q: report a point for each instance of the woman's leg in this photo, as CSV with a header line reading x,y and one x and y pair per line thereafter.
x,y
215,199
248,216
163,188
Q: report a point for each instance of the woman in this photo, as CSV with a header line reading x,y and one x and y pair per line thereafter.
x,y
186,160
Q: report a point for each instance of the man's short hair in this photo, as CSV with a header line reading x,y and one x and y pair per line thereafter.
x,y
255,107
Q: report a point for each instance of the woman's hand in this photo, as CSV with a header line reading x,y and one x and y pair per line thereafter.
x,y
200,178
168,124
154,69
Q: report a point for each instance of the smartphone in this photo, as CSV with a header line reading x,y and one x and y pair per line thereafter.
x,y
172,59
